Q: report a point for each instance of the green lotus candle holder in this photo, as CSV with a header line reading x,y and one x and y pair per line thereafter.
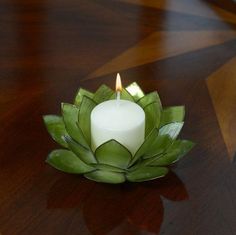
x,y
112,162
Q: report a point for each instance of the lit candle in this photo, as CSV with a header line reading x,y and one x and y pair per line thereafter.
x,y
121,120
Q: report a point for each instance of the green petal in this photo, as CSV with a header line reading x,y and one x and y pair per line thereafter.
x,y
150,98
153,145
163,160
124,95
135,90
70,116
83,153
104,167
56,128
145,146
80,94
86,108
146,173
65,160
102,94
172,114
114,154
158,146
175,152
152,117
172,129
106,177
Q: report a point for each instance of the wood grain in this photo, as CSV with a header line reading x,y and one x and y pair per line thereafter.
x,y
221,85
184,49
199,8
161,45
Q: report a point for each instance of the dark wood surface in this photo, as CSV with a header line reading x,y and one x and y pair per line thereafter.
x,y
186,50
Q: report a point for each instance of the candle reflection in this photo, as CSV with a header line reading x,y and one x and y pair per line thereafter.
x,y
127,208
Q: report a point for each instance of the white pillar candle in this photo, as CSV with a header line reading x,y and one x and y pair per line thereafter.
x,y
121,120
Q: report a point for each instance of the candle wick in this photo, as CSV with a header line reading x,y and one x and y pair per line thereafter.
x,y
118,97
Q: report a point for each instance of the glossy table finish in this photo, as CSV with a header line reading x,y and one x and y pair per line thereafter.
x,y
186,50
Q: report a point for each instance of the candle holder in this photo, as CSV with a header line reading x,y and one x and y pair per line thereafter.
x,y
111,162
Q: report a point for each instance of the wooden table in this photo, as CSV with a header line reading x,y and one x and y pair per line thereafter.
x,y
184,49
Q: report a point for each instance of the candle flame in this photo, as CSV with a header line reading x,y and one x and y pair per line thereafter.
x,y
118,83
